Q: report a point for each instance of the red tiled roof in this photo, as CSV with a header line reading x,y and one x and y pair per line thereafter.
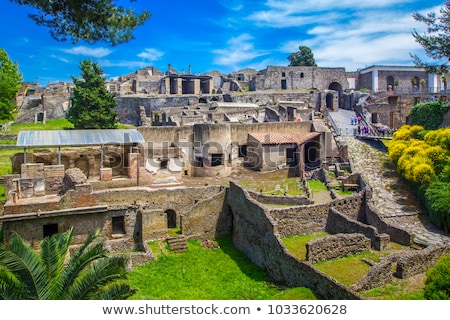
x,y
283,137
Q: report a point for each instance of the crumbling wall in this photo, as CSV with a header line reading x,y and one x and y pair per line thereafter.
x,y
336,246
340,223
256,234
419,261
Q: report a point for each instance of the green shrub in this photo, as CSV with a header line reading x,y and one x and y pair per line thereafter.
x,y
428,114
437,198
437,284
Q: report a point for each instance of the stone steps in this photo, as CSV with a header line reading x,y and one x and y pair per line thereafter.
x,y
177,244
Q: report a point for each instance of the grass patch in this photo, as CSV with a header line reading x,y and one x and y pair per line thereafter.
x,y
297,244
317,186
349,270
405,289
344,192
2,192
5,161
207,274
57,124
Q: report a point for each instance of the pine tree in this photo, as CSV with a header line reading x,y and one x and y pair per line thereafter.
x,y
88,20
435,41
92,106
10,82
303,57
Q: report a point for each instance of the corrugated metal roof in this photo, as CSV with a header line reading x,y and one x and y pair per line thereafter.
x,y
219,104
283,137
42,138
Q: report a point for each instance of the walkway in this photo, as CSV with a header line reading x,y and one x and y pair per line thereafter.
x,y
397,204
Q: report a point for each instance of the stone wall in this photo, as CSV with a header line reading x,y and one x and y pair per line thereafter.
x,y
339,223
401,265
207,219
256,234
300,220
282,200
336,246
312,218
419,261
378,275
298,78
372,217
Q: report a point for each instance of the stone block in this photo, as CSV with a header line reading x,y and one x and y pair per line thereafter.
x,y
105,174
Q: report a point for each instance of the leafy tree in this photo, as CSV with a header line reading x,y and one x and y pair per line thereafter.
x,y
437,283
90,274
10,82
88,20
303,57
91,103
436,39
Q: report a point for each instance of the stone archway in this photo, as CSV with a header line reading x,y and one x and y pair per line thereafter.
x,y
336,86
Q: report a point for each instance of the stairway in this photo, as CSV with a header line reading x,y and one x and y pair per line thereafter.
x,y
177,244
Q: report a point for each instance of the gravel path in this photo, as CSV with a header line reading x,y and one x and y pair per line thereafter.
x,y
396,202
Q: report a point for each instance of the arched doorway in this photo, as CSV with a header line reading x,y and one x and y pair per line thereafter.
x,y
336,86
171,219
390,82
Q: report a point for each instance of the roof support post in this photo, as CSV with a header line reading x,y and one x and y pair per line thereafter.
x,y
25,155
101,157
59,155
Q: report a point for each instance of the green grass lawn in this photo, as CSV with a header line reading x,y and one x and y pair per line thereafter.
x,y
58,124
207,274
297,244
317,186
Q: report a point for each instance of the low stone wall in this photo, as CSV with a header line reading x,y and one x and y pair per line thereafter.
x,y
419,261
339,223
397,235
256,234
282,200
379,275
336,246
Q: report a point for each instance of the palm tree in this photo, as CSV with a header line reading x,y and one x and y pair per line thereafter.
x,y
90,274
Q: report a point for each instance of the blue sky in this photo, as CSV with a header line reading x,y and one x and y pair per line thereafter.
x,y
227,35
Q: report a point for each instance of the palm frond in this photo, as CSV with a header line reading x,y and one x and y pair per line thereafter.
x,y
115,291
101,272
20,258
10,287
53,254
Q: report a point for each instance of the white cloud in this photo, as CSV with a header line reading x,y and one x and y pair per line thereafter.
x,y
234,5
151,54
240,50
57,57
130,64
85,51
